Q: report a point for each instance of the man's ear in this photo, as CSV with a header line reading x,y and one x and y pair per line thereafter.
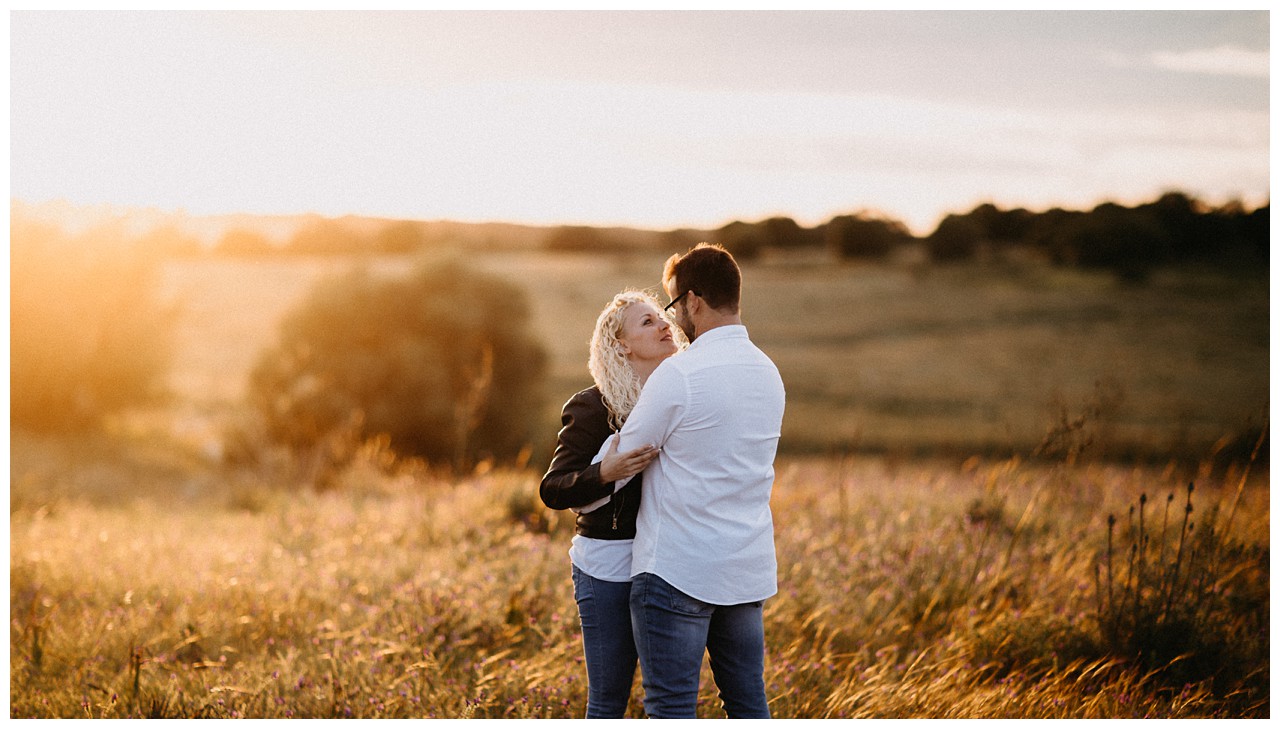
x,y
694,303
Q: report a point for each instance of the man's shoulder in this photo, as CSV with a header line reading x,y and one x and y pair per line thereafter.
x,y
733,347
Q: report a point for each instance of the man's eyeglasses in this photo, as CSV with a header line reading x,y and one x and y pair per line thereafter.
x,y
676,299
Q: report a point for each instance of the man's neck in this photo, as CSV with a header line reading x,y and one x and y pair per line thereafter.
x,y
715,322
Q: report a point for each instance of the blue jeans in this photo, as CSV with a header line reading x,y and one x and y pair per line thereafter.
x,y
603,609
673,629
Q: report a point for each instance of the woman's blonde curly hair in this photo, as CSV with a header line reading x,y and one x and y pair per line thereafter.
x,y
609,368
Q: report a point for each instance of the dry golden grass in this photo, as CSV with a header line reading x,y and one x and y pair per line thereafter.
x,y
907,590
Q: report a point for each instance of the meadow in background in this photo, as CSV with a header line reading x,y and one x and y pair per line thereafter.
x,y
982,504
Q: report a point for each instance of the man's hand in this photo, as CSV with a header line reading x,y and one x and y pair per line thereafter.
x,y
616,465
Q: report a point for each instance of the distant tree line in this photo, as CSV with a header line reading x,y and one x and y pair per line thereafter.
x,y
1131,241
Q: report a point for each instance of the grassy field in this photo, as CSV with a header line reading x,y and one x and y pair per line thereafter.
x,y
929,567
897,359
143,584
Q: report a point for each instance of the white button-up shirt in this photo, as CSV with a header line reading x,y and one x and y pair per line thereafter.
x,y
705,526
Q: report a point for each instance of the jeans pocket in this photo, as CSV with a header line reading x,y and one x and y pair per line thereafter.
x,y
685,604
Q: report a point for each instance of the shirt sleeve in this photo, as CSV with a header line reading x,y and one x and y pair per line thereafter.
x,y
658,411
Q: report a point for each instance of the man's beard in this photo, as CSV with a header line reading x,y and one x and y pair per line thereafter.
x,y
686,326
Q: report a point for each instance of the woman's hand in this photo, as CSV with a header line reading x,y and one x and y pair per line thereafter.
x,y
617,465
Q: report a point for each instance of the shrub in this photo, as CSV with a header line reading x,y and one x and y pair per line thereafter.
x,y
785,233
956,238
1045,232
850,236
1183,220
1128,242
1003,226
88,335
1257,231
744,240
440,361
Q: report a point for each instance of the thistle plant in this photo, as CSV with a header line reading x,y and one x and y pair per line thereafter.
x,y
1163,596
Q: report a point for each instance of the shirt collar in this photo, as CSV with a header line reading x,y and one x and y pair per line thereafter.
x,y
728,331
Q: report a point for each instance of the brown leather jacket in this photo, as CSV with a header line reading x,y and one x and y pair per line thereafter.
x,y
573,480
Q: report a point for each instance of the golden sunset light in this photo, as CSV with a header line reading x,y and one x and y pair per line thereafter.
x,y
649,119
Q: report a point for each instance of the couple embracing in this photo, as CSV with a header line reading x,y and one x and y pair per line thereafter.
x,y
668,462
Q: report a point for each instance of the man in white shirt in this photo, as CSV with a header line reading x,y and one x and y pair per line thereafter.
x,y
703,560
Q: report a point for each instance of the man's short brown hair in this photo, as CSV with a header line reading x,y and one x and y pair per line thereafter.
x,y
710,272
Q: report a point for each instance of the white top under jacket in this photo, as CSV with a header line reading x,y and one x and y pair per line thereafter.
x,y
603,559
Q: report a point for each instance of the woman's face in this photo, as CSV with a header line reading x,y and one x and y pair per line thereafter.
x,y
645,335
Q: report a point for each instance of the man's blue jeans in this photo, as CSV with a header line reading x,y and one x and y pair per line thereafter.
x,y
603,608
673,629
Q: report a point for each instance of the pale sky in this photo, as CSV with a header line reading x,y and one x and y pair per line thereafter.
x,y
656,120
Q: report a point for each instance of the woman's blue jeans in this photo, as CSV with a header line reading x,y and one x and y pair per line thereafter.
x,y
673,630
605,613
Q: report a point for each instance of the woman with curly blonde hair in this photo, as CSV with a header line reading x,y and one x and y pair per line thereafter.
x,y
632,336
